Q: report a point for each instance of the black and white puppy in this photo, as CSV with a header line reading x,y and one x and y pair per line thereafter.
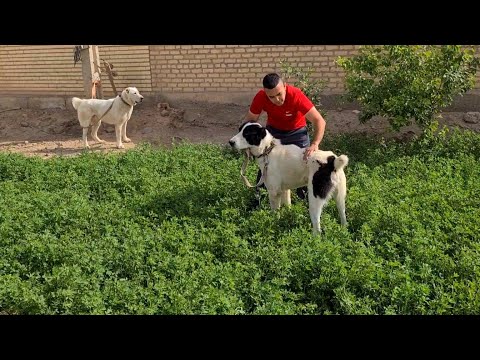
x,y
283,169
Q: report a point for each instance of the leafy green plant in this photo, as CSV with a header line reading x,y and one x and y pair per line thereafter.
x,y
303,79
408,82
168,231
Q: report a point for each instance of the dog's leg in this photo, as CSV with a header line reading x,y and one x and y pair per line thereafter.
x,y
286,198
340,200
124,132
95,127
275,198
118,135
315,207
84,138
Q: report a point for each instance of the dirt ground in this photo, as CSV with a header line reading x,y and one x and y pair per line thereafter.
x,y
52,132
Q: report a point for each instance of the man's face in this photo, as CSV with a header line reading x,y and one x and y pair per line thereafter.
x,y
277,94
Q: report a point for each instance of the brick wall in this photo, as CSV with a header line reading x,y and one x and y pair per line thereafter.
x,y
132,63
201,71
238,68
50,70
43,69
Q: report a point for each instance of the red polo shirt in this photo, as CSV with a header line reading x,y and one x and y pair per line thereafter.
x,y
287,117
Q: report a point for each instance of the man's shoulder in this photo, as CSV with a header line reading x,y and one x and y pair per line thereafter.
x,y
299,98
296,93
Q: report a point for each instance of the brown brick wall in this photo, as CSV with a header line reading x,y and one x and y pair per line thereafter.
x,y
132,63
49,69
207,70
238,68
43,69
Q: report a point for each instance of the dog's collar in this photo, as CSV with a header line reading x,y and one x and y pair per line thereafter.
x,y
267,151
265,166
121,97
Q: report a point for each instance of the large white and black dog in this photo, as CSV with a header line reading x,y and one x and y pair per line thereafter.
x,y
283,169
116,111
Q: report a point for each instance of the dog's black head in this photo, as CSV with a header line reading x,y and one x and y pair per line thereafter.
x,y
250,134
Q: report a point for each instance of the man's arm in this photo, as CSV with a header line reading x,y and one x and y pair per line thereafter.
x,y
314,116
251,116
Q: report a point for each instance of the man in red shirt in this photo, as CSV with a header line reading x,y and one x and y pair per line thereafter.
x,y
287,109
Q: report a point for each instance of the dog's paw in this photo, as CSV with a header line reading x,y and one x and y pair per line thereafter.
x,y
101,141
121,146
127,139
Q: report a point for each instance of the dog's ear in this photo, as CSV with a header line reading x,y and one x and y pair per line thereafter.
x,y
263,132
242,125
246,122
330,159
127,90
260,134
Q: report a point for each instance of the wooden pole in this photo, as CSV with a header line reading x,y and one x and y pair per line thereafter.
x,y
97,70
91,71
86,71
108,69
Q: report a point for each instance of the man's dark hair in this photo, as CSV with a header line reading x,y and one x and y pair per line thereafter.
x,y
271,80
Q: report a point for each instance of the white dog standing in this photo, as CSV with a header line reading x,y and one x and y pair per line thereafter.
x,y
116,111
283,169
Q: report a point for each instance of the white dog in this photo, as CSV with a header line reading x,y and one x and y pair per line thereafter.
x,y
283,168
116,111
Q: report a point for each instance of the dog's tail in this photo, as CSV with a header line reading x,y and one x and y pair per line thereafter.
x,y
76,102
340,162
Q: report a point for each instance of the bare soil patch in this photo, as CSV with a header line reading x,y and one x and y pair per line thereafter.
x,y
51,132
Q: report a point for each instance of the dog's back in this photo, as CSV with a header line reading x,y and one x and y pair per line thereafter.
x,y
88,108
95,104
286,166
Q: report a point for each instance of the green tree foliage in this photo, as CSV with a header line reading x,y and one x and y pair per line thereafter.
x,y
408,82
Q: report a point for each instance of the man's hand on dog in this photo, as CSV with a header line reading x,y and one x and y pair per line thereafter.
x,y
308,151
